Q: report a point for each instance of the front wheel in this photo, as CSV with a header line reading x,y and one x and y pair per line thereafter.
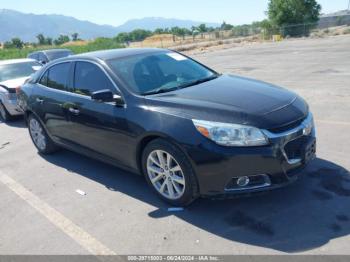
x,y
169,173
41,140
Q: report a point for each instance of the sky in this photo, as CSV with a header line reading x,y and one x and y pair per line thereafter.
x,y
116,12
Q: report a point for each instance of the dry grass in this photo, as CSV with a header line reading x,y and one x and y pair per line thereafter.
x,y
332,31
76,43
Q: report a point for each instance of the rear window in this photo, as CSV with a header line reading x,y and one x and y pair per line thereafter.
x,y
18,70
58,54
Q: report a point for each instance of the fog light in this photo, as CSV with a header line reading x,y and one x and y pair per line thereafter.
x,y
243,181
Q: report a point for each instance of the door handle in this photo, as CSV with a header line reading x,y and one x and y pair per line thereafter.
x,y
74,111
39,100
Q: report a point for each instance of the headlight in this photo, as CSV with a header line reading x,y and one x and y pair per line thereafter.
x,y
231,134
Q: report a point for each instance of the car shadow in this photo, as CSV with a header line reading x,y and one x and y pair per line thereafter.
x,y
17,122
303,216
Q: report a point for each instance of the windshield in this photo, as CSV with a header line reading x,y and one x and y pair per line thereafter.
x,y
58,54
159,72
17,70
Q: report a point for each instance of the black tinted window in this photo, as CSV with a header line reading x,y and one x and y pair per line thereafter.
x,y
58,76
90,78
58,54
163,70
43,79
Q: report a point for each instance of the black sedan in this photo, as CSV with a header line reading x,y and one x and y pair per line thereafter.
x,y
189,130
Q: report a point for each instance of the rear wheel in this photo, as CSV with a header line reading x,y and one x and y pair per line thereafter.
x,y
5,115
169,173
41,140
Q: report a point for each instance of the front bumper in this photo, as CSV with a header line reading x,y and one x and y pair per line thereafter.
x,y
276,165
12,107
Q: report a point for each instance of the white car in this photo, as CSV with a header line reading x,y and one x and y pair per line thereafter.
x,y
13,74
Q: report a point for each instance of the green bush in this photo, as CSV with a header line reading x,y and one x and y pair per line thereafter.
x,y
97,44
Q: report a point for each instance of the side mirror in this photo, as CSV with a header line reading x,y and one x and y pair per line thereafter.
x,y
42,62
107,95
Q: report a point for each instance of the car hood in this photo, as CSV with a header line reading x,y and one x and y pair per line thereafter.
x,y
234,99
13,83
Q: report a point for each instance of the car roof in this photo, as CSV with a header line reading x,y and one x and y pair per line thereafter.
x,y
16,61
55,50
50,51
117,53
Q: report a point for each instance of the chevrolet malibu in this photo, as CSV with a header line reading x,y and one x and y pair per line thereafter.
x,y
189,130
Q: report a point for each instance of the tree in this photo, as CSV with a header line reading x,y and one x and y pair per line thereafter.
x,y
8,44
75,37
180,31
48,41
61,40
225,26
17,43
139,34
159,31
41,39
202,28
123,38
284,13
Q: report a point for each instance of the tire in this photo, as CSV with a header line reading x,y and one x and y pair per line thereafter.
x,y
173,178
4,114
40,139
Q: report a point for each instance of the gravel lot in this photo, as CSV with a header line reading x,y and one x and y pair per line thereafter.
x,y
41,212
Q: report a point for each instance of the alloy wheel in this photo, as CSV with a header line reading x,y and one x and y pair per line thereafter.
x,y
166,174
37,134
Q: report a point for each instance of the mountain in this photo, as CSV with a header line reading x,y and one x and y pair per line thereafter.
x,y
152,23
28,26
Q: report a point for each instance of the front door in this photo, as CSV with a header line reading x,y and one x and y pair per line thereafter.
x,y
97,126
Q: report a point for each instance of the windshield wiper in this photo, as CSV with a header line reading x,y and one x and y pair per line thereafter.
x,y
159,91
188,84
199,81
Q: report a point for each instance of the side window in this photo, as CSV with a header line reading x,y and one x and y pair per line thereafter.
x,y
43,80
58,76
89,78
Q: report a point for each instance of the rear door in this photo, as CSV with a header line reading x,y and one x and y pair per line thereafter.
x,y
52,100
97,126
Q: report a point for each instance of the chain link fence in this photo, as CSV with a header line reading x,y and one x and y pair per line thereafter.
x,y
248,32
